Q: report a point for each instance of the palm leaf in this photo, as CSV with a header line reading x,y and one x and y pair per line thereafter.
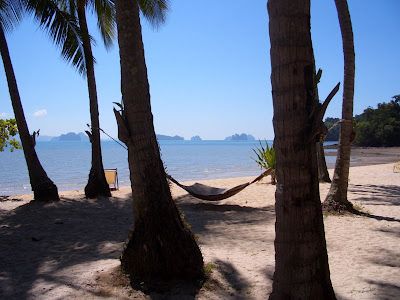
x,y
105,13
58,19
154,10
10,13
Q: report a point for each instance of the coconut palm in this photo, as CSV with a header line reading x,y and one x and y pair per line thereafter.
x,y
43,188
160,245
76,47
301,260
337,195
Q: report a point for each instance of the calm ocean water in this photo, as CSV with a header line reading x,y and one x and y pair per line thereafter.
x,y
68,163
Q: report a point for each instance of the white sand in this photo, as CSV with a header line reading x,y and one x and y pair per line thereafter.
x,y
67,250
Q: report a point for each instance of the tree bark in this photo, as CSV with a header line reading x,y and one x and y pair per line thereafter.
x,y
301,260
160,246
337,195
323,174
43,188
97,184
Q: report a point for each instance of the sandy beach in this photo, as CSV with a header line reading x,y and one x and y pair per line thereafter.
x,y
70,249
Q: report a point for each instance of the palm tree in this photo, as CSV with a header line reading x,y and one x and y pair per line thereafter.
x,y
76,47
301,260
160,246
337,196
43,188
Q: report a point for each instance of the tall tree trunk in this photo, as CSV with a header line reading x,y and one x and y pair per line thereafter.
x,y
301,260
160,246
97,184
43,188
337,196
323,174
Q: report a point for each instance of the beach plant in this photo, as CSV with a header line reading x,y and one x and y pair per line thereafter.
x,y
8,129
43,188
66,23
266,158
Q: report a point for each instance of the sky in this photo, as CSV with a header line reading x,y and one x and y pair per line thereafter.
x,y
208,66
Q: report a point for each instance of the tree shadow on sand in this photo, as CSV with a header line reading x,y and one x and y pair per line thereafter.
x,y
202,214
385,290
40,241
379,195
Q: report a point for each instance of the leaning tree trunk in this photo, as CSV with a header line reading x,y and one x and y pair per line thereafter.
x,y
97,183
323,174
301,260
43,188
337,196
160,246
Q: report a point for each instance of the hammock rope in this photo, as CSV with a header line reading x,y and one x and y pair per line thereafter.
x,y
205,192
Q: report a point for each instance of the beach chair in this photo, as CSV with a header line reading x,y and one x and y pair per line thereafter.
x,y
396,167
112,178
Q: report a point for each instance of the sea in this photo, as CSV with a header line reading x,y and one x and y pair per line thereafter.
x,y
68,163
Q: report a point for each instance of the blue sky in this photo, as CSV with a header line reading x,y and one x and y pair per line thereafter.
x,y
209,68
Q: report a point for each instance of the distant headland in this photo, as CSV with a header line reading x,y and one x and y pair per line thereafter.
x,y
240,137
162,137
71,137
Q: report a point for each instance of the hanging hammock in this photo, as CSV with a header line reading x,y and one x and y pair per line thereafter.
x,y
206,192
210,193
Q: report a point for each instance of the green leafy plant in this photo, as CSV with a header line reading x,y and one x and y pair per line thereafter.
x,y
266,158
8,129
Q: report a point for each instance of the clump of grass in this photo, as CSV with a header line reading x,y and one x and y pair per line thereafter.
x,y
185,222
210,283
208,269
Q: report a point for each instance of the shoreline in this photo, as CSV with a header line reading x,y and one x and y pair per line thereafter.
x,y
124,189
360,156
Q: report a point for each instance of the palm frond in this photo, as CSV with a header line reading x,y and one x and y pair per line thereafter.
x,y
154,10
58,18
105,13
10,13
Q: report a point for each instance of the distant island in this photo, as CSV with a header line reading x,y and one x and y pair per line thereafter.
x,y
71,137
240,137
82,137
162,137
196,138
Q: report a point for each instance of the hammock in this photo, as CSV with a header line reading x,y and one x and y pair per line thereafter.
x,y
202,191
210,193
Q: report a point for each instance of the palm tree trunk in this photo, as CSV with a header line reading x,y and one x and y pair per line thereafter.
x,y
337,196
301,260
160,246
323,174
43,188
97,184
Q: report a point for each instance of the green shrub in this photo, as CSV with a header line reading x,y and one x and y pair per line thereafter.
x,y
266,158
